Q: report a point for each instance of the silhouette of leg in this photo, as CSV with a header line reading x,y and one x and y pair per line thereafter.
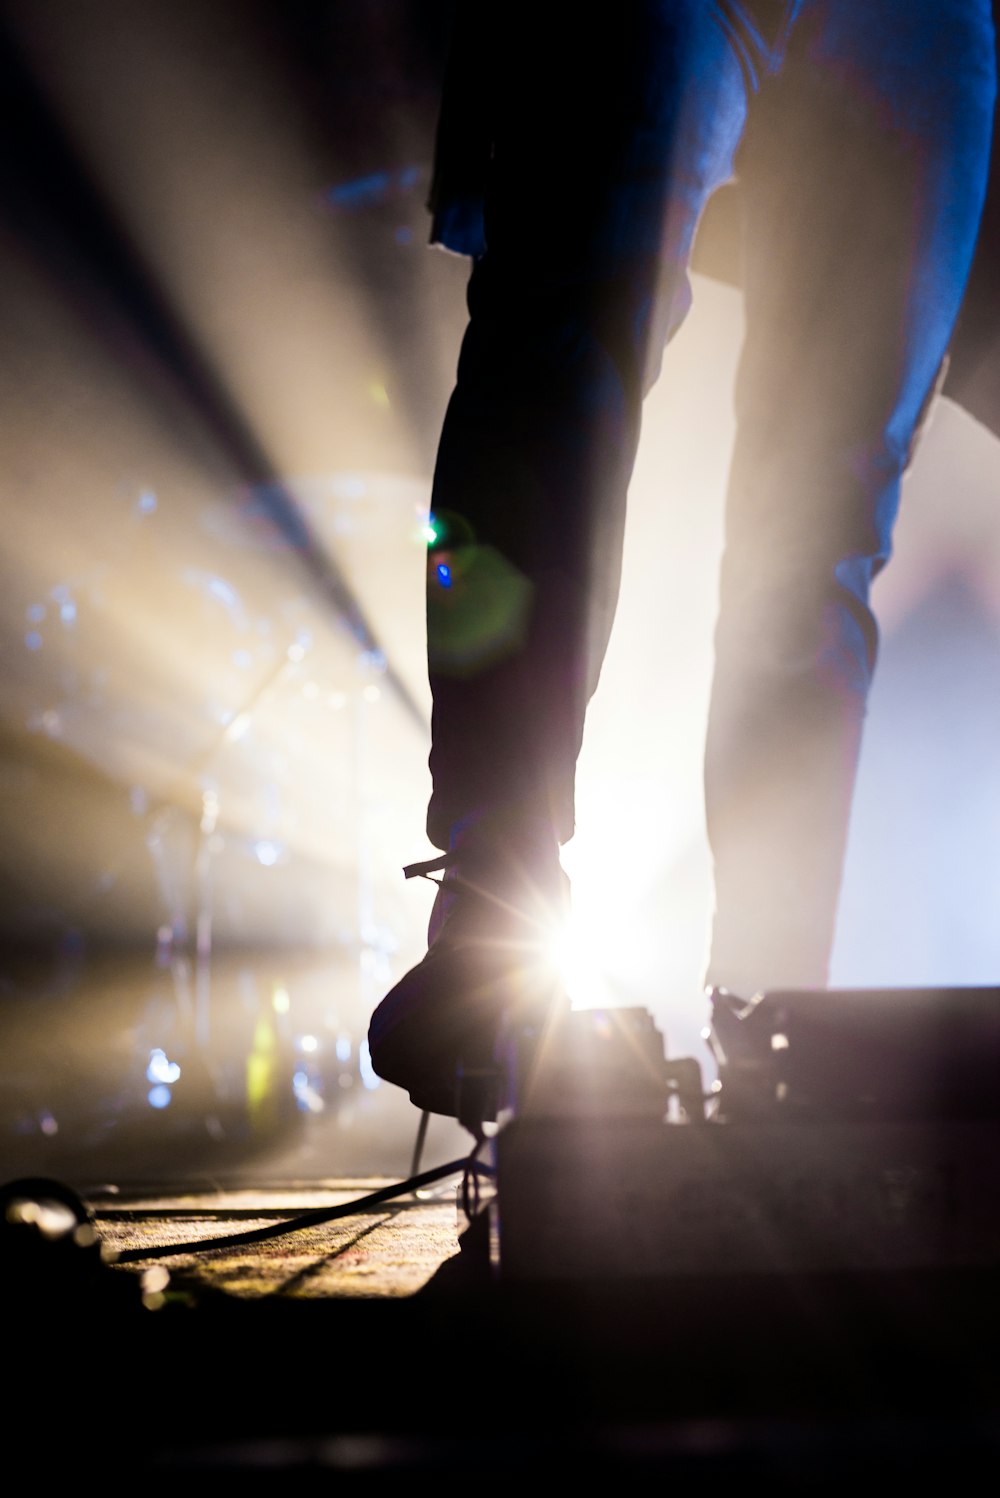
x,y
864,175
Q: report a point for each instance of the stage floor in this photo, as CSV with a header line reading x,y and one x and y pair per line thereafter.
x,y
376,1349
389,1250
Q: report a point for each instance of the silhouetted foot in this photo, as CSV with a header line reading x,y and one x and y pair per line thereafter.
x,y
491,958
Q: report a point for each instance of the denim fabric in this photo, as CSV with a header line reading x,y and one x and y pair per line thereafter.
x,y
872,119
757,31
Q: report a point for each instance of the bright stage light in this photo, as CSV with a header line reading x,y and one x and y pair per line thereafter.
x,y
161,1069
604,955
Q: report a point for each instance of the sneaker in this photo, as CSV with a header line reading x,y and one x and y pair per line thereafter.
x,y
490,962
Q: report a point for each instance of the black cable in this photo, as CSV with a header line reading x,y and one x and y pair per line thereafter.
x,y
470,1182
418,1147
308,1219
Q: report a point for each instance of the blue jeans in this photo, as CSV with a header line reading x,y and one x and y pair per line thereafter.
x,y
862,128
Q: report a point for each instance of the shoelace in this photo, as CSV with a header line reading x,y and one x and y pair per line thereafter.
x,y
429,867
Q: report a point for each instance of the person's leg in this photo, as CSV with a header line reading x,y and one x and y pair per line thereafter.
x,y
864,175
610,134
